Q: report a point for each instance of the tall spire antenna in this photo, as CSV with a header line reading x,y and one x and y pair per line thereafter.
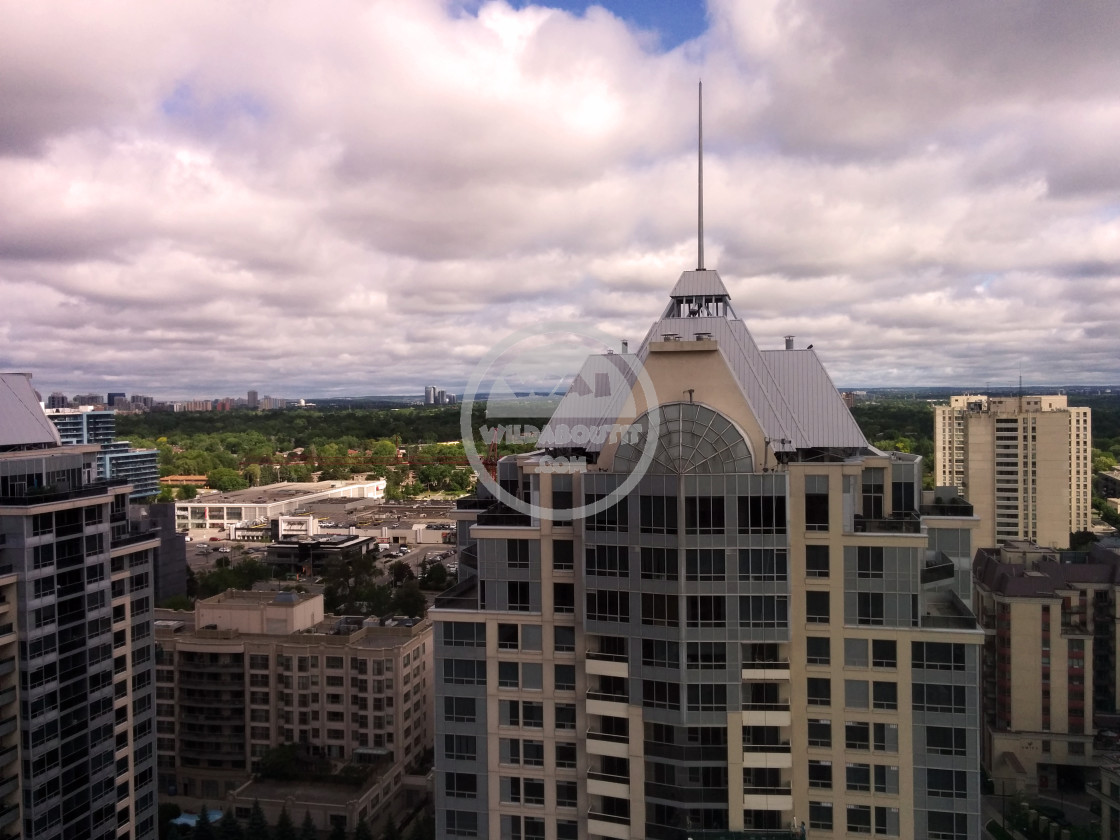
x,y
700,182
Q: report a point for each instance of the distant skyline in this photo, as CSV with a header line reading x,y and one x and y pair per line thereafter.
x,y
197,199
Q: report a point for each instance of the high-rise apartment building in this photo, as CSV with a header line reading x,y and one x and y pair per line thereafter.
x,y
1023,462
117,459
746,631
251,671
84,610
430,394
1049,661
252,401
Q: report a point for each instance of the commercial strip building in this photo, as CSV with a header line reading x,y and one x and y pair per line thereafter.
x,y
1049,662
270,501
750,631
79,747
117,460
251,671
1024,463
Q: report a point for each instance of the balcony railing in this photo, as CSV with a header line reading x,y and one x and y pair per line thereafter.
x,y
502,516
938,572
954,508
47,495
461,596
900,523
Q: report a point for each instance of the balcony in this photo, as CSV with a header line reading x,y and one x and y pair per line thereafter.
x,y
954,507
8,815
48,495
498,515
608,825
9,725
134,539
766,670
9,785
901,523
461,596
938,571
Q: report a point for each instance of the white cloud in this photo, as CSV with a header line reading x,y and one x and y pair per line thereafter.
x,y
196,199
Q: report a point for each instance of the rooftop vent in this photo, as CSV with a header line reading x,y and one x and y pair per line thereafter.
x,y
789,342
703,336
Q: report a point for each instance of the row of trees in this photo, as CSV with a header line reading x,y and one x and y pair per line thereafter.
x,y
257,828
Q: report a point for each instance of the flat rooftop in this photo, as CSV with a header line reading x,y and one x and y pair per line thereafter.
x,y
270,493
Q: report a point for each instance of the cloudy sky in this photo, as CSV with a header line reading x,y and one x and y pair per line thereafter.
x,y
364,196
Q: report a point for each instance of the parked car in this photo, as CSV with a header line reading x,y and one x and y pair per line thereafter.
x,y
225,549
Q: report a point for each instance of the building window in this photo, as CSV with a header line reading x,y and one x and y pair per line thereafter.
x,y
508,637
657,514
869,562
947,740
820,733
517,554
661,695
936,697
884,653
762,514
464,671
660,610
703,515
946,825
563,598
950,784
819,691
707,697
763,611
820,815
763,564
818,650
886,737
565,754
518,595
816,503
563,555
938,656
566,794
859,819
886,778
461,785
817,607
884,695
613,519
563,639
608,605
705,564
857,736
706,611
508,675
660,653
564,677
703,656
461,823
565,716
869,608
455,634
608,560
886,820
816,566
460,747
820,774
659,563
859,777
458,709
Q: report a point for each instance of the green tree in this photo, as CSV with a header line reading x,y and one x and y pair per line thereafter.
x,y
307,830
281,763
1102,461
257,828
433,575
285,829
186,492
176,602
400,572
338,831
166,494
423,828
409,600
229,828
203,829
167,812
362,831
226,479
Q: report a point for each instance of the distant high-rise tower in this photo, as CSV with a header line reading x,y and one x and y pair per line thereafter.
x,y
113,396
252,400
430,395
58,400
1024,463
117,459
86,660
